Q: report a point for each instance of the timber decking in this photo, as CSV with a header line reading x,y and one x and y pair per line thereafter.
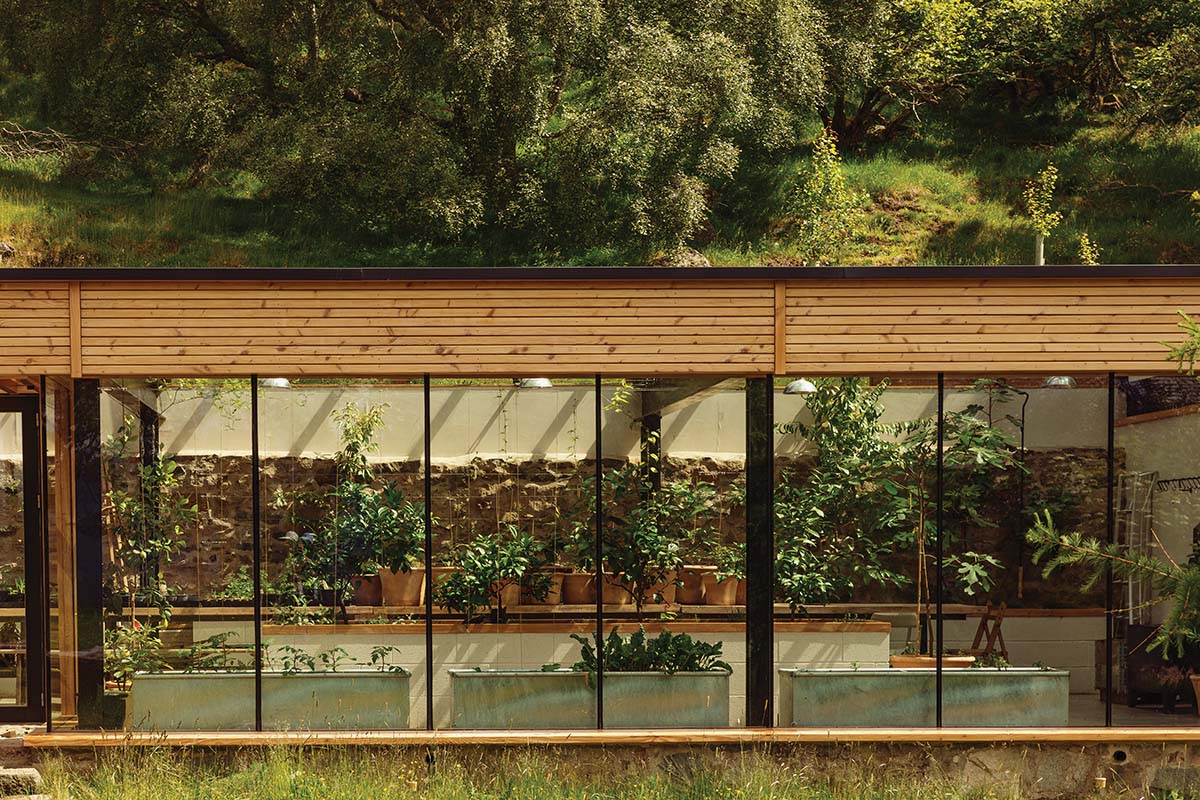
x,y
718,736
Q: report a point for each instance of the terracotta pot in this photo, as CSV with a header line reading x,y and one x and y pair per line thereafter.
x,y
403,588
554,594
930,662
578,589
719,593
510,595
741,592
667,588
1196,689
367,590
616,592
690,590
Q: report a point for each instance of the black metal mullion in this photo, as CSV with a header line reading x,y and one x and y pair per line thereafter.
x,y
599,555
938,567
256,551
428,522
89,554
44,583
760,552
1110,538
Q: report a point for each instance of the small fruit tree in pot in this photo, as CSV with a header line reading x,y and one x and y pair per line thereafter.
x,y
490,565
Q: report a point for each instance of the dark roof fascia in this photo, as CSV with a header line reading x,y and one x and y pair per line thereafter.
x,y
181,274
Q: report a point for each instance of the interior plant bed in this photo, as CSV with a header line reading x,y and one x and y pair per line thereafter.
x,y
876,698
197,701
668,681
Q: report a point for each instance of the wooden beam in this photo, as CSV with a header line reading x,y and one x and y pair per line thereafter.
x,y
75,315
781,350
64,548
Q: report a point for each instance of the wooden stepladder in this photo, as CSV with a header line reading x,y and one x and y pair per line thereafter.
x,y
989,628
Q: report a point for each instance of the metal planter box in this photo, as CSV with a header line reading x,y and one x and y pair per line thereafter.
x,y
878,698
527,699
214,701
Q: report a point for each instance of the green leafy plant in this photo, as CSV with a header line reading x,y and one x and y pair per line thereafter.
x,y
293,660
132,648
827,210
332,660
730,560
1039,204
1186,352
217,654
646,530
381,659
354,527
1176,585
1089,251
488,566
668,652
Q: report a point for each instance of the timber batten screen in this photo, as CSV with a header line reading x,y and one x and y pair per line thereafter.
x,y
585,321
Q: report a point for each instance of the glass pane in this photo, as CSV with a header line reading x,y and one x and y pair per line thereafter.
x,y
1156,675
13,657
1018,450
512,471
177,518
343,542
855,514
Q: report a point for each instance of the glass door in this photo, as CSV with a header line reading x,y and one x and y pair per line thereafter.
x,y
22,632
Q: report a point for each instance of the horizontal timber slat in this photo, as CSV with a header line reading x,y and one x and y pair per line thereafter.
x,y
616,324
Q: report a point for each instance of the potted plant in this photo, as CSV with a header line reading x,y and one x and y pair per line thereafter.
x,y
402,549
1176,585
671,680
491,573
721,586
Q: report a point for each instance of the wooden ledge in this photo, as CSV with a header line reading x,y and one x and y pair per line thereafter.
x,y
554,738
564,627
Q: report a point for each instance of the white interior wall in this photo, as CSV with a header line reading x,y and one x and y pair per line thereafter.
x,y
502,421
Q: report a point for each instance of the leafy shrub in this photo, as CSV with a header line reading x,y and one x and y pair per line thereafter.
x,y
668,652
488,566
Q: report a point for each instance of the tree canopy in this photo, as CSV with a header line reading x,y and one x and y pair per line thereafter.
x,y
559,123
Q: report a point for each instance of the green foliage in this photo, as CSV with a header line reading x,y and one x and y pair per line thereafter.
x,y
216,654
1089,251
668,652
646,532
870,491
354,527
489,565
147,526
1039,200
1175,585
827,210
1186,352
130,649
730,560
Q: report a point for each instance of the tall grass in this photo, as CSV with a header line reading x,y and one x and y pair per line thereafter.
x,y
378,774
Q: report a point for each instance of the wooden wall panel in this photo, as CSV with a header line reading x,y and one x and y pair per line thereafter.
x,y
35,331
985,325
446,328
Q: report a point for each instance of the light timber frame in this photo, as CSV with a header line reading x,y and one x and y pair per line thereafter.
x,y
749,321
77,327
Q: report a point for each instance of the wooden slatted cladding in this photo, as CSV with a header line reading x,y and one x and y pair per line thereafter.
x,y
35,328
624,325
986,325
447,328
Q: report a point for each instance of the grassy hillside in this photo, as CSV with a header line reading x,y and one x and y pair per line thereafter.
x,y
945,197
